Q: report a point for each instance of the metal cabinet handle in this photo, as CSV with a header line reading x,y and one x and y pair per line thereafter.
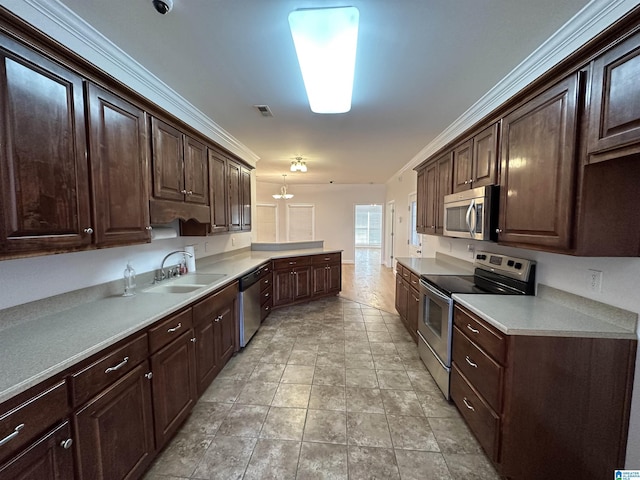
x,y
12,435
194,340
171,330
466,182
498,230
118,366
327,258
266,308
292,263
266,295
474,365
66,444
88,230
218,318
148,227
470,181
472,329
468,405
148,376
189,192
184,192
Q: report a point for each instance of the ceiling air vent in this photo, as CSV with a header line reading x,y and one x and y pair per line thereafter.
x,y
264,110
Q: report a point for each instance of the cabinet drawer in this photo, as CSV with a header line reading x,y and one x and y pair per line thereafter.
x,y
399,270
266,282
481,370
265,270
22,424
482,420
265,309
94,378
265,296
291,262
405,274
486,337
414,280
215,302
327,258
170,329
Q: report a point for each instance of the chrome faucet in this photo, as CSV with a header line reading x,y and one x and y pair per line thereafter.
x,y
160,275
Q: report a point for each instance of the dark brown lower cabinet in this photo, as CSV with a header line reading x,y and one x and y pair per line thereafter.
x,y
174,385
216,332
48,458
299,279
541,406
292,285
407,299
114,431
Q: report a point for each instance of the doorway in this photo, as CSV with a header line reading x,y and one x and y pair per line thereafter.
x,y
389,244
415,242
368,234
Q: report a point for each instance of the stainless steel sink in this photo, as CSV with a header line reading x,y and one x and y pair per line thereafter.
x,y
172,288
197,279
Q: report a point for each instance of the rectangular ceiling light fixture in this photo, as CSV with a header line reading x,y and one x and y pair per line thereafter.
x,y
325,41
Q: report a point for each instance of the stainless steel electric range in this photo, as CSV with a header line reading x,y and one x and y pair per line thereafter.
x,y
494,274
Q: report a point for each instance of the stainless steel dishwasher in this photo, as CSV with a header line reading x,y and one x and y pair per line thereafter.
x,y
250,304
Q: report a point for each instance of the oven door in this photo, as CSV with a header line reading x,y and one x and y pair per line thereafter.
x,y
435,321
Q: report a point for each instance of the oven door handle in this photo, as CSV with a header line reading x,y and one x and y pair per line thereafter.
x,y
435,292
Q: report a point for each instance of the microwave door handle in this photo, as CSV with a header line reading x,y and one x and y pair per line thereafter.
x,y
468,218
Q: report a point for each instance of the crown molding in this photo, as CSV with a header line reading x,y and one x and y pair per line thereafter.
x,y
63,25
594,18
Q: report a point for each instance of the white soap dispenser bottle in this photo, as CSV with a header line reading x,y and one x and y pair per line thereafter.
x,y
129,281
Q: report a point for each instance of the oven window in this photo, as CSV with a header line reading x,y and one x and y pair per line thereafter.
x,y
434,317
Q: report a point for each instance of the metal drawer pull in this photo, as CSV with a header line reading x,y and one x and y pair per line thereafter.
x,y
469,406
218,318
118,366
12,435
474,365
292,263
472,329
66,444
171,330
327,258
148,376
193,340
266,295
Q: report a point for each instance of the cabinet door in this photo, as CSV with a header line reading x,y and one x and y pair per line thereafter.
x,y
320,286
485,157
614,120
235,194
174,386
119,169
218,189
445,169
413,302
431,187
168,151
49,458
45,185
207,362
538,165
196,175
245,187
225,324
402,295
301,283
462,169
282,287
421,201
334,282
115,430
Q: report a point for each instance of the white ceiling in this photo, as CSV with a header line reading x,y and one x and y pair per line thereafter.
x,y
420,65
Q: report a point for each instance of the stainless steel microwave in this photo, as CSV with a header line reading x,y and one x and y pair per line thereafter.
x,y
472,214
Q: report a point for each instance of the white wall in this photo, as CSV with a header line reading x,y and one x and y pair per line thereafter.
x,y
399,187
334,210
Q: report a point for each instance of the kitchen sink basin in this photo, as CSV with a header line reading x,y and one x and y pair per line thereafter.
x,y
172,288
197,279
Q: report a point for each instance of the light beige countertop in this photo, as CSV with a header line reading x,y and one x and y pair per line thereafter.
x,y
441,265
42,347
538,316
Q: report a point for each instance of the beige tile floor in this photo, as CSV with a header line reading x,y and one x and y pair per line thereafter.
x,y
333,389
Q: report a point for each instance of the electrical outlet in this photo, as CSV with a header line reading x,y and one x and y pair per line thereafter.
x,y
595,280
233,241
472,250
206,246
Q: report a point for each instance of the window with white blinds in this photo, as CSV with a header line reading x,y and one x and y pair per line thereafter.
x,y
300,222
267,223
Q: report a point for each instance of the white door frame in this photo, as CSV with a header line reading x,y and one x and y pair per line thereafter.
x,y
415,251
390,226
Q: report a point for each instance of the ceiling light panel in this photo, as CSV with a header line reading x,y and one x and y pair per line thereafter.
x,y
325,40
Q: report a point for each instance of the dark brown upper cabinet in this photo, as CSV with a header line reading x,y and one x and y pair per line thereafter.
x,y
614,120
196,180
475,162
43,165
537,191
421,204
235,195
218,192
119,169
434,182
245,189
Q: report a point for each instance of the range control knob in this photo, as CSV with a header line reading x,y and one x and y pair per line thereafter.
x,y
510,263
518,266
481,257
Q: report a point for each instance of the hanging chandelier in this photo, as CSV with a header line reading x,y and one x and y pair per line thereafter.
x,y
298,165
283,191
